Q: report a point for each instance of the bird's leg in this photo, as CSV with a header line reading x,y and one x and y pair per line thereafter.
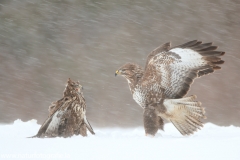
x,y
150,120
155,108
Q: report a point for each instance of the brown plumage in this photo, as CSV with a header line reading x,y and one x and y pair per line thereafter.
x,y
160,87
67,116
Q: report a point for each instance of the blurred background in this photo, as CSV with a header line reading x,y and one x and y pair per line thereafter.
x,y
45,42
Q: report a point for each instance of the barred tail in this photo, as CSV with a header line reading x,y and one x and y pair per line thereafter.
x,y
185,114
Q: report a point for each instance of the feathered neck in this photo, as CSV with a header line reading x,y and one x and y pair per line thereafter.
x,y
71,91
134,79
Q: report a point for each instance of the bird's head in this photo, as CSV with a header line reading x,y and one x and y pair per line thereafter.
x,y
132,72
73,87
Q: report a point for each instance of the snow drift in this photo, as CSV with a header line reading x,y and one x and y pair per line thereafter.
x,y
212,142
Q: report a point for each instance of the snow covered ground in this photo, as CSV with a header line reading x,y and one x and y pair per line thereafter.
x,y
212,142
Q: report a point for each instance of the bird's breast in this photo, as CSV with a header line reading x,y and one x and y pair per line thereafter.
x,y
140,95
147,95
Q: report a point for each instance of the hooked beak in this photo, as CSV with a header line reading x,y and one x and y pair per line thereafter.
x,y
117,72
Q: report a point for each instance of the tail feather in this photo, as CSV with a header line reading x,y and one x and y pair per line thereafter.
x,y
186,99
195,121
88,125
193,124
185,114
192,105
197,113
186,129
179,127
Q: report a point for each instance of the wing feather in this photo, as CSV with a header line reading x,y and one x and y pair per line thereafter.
x,y
177,67
161,48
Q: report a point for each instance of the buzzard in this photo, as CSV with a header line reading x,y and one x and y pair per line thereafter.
x,y
160,87
67,116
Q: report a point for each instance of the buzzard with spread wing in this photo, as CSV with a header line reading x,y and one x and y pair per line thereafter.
x,y
160,87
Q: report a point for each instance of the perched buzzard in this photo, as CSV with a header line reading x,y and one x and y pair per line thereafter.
x,y
67,116
160,87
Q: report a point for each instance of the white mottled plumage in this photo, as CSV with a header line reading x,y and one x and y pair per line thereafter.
x,y
55,122
139,96
167,77
172,70
186,54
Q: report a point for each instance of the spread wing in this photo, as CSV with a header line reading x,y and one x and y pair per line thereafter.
x,y
175,68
